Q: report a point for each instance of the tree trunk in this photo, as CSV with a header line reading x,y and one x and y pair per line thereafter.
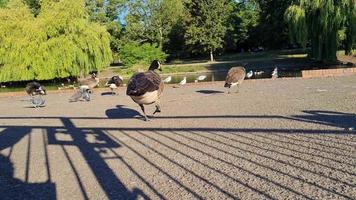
x,y
348,41
211,56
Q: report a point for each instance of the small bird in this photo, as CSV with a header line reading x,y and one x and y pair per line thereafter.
x,y
201,78
146,88
114,83
36,90
275,73
183,82
168,79
235,77
249,74
85,87
259,72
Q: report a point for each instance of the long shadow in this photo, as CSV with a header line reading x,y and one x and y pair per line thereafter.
x,y
207,166
14,188
209,91
104,140
274,143
271,158
331,118
121,112
254,162
107,179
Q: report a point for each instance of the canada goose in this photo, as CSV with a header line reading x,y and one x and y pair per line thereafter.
x,y
85,88
146,87
235,77
184,81
36,90
275,73
114,83
249,74
168,79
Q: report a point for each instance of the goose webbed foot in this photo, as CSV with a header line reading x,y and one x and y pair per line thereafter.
x,y
158,109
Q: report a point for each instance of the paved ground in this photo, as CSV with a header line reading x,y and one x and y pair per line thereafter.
x,y
280,139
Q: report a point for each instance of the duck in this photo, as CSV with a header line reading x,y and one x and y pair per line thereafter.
x,y
36,90
114,82
183,82
201,78
275,73
168,79
85,88
235,77
259,72
146,88
249,74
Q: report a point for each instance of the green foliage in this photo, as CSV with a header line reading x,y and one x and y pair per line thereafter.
x,y
297,25
271,30
136,53
320,22
153,20
207,24
59,42
242,24
3,3
350,24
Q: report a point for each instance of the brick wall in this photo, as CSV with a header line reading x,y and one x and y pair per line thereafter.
x,y
328,72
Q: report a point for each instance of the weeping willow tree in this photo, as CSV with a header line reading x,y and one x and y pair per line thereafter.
x,y
318,22
58,43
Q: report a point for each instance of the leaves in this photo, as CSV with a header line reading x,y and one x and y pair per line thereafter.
x,y
320,22
207,24
59,42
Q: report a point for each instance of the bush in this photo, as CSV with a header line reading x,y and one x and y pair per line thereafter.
x,y
134,53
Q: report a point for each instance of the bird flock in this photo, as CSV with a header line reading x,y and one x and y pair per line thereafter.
x,y
144,88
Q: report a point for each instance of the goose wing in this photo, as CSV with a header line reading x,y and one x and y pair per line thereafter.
x,y
141,83
235,74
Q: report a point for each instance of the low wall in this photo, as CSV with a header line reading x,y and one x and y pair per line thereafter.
x,y
328,72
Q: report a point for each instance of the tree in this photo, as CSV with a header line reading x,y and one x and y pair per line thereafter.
x,y
271,22
206,24
350,25
242,23
152,21
58,43
319,22
106,13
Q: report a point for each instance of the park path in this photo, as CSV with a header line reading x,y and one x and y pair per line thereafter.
x,y
276,139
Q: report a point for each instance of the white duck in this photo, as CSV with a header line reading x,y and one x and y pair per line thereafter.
x,y
168,79
275,73
184,81
201,78
249,74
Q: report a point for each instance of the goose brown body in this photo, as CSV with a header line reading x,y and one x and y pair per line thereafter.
x,y
235,76
146,87
90,82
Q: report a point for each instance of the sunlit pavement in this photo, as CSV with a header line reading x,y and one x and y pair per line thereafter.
x,y
275,139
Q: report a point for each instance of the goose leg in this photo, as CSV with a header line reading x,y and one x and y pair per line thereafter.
x,y
144,113
86,95
237,88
